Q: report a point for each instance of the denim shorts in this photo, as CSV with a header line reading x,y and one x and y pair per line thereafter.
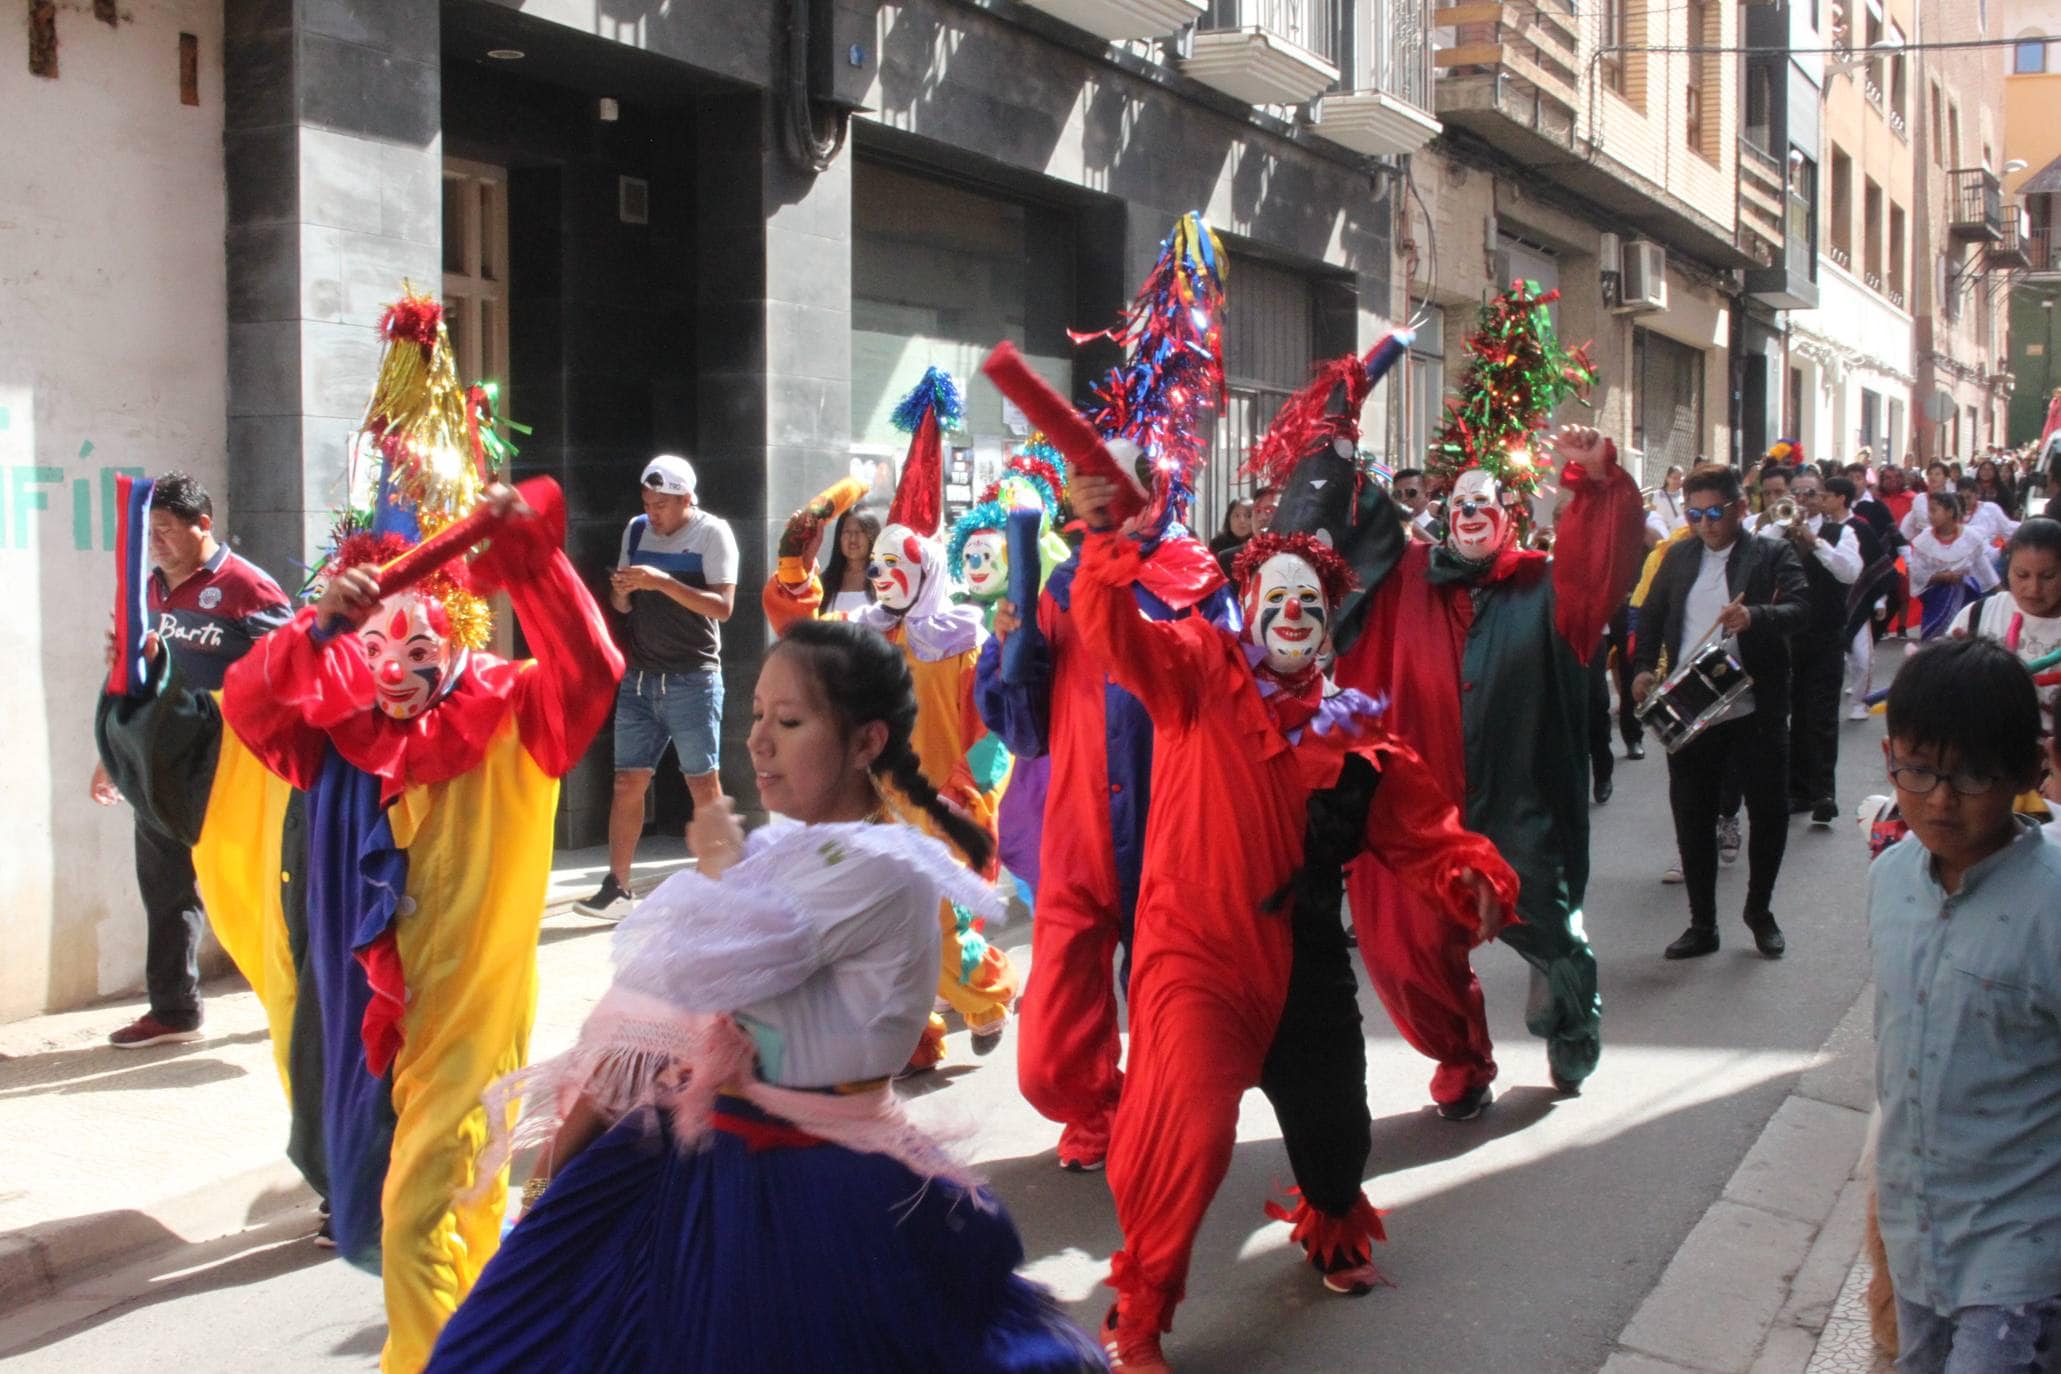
x,y
651,708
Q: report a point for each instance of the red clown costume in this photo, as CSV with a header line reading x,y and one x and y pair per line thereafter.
x,y
1246,733
1058,702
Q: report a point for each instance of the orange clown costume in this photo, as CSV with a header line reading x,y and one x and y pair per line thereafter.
x,y
941,642
372,808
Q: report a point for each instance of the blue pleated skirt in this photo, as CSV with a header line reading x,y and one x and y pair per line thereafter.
x,y
729,1259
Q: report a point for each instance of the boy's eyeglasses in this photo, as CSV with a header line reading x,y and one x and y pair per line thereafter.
x,y
1412,492
1921,781
1698,514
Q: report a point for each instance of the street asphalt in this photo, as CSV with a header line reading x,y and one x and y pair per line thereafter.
x,y
1522,1241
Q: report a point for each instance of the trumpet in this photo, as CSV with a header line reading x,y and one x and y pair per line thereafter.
x,y
1782,514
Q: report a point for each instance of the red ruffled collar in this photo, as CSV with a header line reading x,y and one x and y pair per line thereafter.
x,y
443,742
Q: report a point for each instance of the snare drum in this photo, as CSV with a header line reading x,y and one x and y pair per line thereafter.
x,y
1694,696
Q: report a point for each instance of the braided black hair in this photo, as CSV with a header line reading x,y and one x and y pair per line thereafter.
x,y
864,678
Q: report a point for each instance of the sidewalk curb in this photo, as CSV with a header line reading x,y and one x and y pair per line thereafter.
x,y
39,1261
1754,1283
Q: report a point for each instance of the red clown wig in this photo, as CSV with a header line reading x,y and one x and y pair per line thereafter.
x,y
1333,574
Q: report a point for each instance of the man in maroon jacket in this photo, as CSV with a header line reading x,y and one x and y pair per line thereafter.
x,y
207,607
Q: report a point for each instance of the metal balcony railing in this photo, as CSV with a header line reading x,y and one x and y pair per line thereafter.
x,y
1309,24
2043,250
1975,204
2010,249
1840,256
1396,40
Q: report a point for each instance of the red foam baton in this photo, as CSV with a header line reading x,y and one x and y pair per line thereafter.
x,y
541,494
1064,426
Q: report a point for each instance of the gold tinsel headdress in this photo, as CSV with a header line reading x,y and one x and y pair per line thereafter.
x,y
437,447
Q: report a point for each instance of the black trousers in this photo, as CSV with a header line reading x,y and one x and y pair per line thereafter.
x,y
1818,668
171,906
1620,633
1315,1073
1755,750
1602,763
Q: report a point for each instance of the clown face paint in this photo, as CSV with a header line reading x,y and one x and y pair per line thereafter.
x,y
986,559
1286,615
410,652
896,568
1477,526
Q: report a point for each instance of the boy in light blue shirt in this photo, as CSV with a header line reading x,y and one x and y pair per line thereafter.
x,y
1964,920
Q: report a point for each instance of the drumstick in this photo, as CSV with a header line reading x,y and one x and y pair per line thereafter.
x,y
1718,624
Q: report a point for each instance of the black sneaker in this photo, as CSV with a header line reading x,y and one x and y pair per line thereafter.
x,y
324,1238
1468,1107
611,903
1825,812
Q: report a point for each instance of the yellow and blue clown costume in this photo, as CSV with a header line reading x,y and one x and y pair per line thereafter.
x,y
380,880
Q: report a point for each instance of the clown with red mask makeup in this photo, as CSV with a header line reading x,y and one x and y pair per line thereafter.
x,y
371,804
914,608
1248,732
1480,646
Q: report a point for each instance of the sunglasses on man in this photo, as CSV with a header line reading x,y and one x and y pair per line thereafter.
x,y
1696,515
1411,492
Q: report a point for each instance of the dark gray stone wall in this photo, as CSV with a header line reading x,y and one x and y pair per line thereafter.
x,y
333,164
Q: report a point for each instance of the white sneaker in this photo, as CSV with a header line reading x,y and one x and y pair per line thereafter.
x,y
1673,876
1728,839
1860,711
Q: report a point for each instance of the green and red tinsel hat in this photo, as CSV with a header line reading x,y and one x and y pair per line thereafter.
x,y
1517,374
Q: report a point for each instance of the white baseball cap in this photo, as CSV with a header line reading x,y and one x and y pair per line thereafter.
x,y
671,474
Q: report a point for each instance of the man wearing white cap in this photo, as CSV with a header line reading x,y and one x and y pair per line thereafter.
x,y
675,580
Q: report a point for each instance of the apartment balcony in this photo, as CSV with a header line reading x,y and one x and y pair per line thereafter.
x,y
1761,197
1975,205
1775,230
1118,20
1509,74
1385,111
2011,249
2042,251
1266,52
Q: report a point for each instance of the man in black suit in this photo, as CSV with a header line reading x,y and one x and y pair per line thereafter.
x,y
1753,590
1830,553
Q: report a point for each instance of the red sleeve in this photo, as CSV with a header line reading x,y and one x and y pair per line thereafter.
x,y
1413,829
563,697
1598,544
283,696
1160,662
785,602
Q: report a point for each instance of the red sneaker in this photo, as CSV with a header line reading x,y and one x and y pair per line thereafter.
x,y
1083,1149
1131,1351
148,1030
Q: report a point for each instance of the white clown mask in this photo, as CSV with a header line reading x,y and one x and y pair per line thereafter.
x,y
1477,526
896,568
986,560
1286,614
413,659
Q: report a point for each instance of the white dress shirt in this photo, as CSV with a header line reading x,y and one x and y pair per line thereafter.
x,y
1842,560
1709,595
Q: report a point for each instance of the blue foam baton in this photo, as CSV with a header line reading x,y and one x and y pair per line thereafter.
x,y
1025,568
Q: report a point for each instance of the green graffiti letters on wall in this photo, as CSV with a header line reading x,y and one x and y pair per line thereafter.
x,y
35,497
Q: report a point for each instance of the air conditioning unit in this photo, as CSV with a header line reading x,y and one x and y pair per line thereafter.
x,y
1642,284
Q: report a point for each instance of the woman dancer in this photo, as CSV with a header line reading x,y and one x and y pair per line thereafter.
x,y
755,1199
1949,564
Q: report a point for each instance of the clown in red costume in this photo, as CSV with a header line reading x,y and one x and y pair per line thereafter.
x,y
1480,646
1246,732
